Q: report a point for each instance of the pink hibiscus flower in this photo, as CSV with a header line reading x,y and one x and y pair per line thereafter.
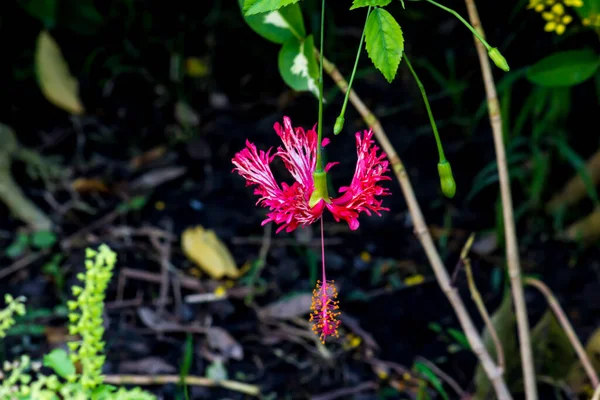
x,y
289,204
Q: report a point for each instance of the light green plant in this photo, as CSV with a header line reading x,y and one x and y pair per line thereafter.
x,y
21,380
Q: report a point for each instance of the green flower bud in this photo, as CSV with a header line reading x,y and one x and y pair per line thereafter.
x,y
339,125
446,179
498,59
320,192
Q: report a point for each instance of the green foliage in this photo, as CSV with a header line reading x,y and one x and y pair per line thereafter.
x,y
566,68
24,381
297,65
367,3
385,43
7,315
431,377
278,26
252,7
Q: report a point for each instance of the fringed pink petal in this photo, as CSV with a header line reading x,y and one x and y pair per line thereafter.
x,y
299,152
360,196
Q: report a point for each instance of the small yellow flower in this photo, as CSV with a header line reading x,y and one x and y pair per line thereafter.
x,y
556,19
574,3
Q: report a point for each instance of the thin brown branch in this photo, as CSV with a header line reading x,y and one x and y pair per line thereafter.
x,y
476,296
424,236
512,249
143,380
567,327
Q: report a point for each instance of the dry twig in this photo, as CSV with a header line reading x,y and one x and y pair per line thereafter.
x,y
512,250
141,380
479,302
568,328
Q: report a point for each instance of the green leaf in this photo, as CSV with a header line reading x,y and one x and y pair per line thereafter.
x,y
367,3
278,26
298,66
59,361
43,239
80,16
437,384
460,338
43,10
18,246
385,42
252,7
567,68
578,164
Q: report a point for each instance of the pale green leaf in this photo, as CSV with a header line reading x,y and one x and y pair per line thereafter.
x,y
566,68
278,26
59,361
385,42
298,66
54,78
252,7
367,3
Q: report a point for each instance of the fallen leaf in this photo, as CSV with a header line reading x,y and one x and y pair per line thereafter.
x,y
577,379
147,366
54,78
88,185
147,157
207,251
288,308
220,339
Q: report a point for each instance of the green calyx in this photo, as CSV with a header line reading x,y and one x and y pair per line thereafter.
x,y
446,179
320,192
498,59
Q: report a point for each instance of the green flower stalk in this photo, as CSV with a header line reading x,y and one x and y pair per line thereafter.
x,y
493,52
85,317
7,315
86,314
339,122
447,182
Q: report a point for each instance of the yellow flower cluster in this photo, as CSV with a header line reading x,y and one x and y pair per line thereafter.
x,y
553,11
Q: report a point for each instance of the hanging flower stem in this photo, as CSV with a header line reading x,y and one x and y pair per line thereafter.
x,y
339,122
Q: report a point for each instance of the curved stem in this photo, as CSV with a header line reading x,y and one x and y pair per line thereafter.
x,y
438,141
567,327
362,39
461,19
424,237
510,235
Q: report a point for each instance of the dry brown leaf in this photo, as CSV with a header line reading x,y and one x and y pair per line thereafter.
x,y
220,339
289,308
55,79
87,185
207,251
147,157
577,379
147,366
586,229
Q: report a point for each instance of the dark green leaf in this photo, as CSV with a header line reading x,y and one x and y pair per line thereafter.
x,y
80,16
43,10
385,42
18,246
424,370
459,337
567,68
367,3
298,66
43,239
278,26
59,361
579,165
252,7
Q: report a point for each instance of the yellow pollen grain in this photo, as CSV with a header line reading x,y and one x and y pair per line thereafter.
x,y
366,257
